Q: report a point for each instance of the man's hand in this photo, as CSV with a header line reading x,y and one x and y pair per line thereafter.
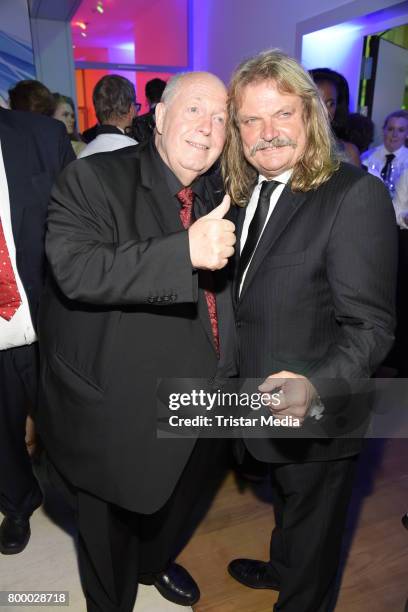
x,y
30,436
296,394
212,239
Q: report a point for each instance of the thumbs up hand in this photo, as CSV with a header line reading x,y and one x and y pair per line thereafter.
x,y
212,239
221,210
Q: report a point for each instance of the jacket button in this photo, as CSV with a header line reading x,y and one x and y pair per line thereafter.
x,y
238,324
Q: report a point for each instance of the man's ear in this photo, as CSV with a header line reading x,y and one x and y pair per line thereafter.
x,y
160,112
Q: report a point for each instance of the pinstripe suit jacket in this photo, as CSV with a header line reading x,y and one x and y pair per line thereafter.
x,y
318,297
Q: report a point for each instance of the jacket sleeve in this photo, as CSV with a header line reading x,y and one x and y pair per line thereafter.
x,y
89,264
361,269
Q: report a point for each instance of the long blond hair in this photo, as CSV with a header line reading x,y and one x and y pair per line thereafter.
x,y
317,162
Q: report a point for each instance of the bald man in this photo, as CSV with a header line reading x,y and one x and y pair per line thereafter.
x,y
134,298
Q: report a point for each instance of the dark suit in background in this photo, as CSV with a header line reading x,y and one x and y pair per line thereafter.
x,y
34,149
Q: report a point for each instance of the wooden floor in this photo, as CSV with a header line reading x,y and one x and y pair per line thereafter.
x,y
375,577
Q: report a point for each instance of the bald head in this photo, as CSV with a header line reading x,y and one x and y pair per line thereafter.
x,y
178,81
190,124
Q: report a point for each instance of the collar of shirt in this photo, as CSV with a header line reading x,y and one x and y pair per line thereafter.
x,y
108,129
399,153
173,183
281,178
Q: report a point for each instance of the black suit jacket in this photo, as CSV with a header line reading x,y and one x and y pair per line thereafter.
x,y
35,149
318,297
125,310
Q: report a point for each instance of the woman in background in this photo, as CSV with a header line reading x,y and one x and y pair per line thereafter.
x,y
334,92
65,112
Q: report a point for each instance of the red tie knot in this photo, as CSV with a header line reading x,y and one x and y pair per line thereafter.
x,y
186,197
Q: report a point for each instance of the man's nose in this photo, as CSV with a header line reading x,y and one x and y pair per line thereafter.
x,y
205,125
269,130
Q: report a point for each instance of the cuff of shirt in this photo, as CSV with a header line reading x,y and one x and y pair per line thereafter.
x,y
316,409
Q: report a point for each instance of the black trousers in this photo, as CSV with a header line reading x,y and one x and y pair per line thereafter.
x,y
19,490
117,548
310,502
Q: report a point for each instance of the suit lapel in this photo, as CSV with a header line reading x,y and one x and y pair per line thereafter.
x,y
287,206
240,217
14,150
159,200
239,222
158,196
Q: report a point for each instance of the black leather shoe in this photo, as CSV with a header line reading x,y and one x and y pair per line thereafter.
x,y
176,585
14,535
254,574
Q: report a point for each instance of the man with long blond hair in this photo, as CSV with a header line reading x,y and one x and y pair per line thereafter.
x,y
314,290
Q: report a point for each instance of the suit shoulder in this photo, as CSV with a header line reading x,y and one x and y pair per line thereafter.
x,y
109,167
34,122
353,189
109,159
349,175
350,172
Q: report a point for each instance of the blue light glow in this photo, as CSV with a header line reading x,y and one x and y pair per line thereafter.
x,y
129,46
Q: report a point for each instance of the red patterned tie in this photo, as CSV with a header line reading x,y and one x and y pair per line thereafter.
x,y
10,298
186,198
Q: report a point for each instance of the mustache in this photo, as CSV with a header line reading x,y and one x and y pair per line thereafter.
x,y
275,143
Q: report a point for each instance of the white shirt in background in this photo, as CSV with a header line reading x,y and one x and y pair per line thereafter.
x,y
19,331
375,160
107,142
401,200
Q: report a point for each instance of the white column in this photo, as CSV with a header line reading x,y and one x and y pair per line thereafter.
x,y
53,55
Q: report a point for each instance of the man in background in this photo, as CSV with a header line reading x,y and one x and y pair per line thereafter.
x,y
143,125
389,160
114,99
34,149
